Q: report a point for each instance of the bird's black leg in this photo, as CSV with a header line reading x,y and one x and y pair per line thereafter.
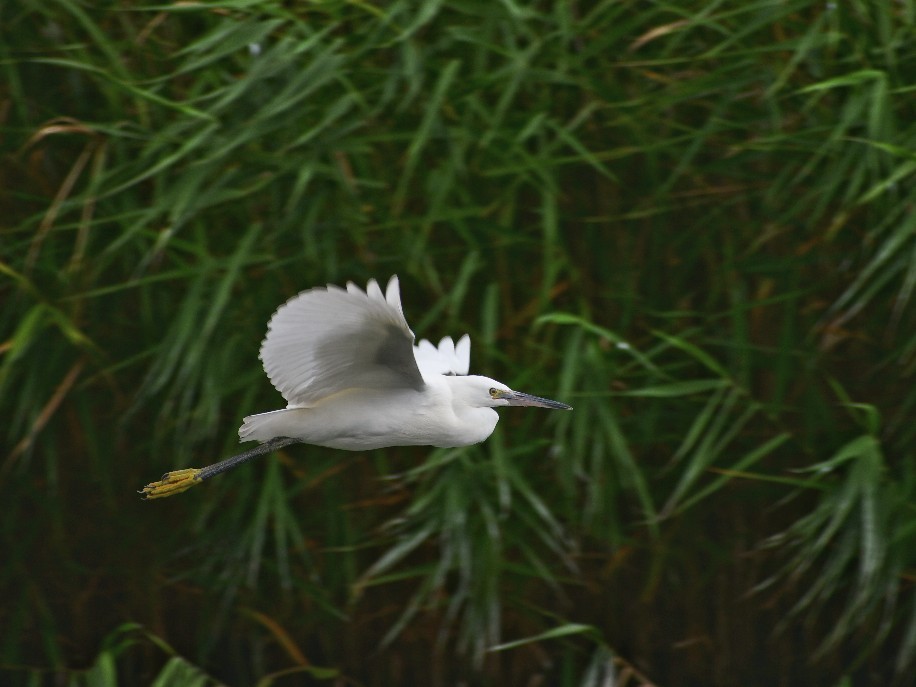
x,y
178,481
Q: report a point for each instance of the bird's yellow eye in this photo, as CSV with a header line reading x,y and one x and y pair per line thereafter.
x,y
494,392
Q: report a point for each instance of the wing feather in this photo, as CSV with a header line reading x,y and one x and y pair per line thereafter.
x,y
327,340
449,358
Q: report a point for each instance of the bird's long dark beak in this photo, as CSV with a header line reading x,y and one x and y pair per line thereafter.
x,y
517,398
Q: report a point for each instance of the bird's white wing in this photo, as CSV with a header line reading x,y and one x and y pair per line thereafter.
x,y
448,359
327,340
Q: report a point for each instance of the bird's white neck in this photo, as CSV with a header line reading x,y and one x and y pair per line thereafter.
x,y
473,422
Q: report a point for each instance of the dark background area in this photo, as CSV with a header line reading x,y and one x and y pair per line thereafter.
x,y
694,222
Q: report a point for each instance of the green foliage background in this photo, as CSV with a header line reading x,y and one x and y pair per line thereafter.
x,y
694,221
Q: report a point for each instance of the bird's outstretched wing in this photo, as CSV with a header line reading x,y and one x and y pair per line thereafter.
x,y
327,340
448,359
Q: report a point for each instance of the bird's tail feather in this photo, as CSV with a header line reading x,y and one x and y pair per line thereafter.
x,y
266,426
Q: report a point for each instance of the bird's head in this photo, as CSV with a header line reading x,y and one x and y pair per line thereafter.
x,y
483,392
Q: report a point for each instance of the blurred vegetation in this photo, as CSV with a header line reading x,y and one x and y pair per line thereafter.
x,y
694,221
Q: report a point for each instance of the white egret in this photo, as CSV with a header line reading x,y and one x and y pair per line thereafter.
x,y
345,361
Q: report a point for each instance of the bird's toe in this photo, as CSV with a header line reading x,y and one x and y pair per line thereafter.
x,y
172,483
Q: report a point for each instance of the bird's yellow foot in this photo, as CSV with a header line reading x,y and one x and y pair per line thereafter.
x,y
172,483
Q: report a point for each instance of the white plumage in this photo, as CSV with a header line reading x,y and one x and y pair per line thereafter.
x,y
345,362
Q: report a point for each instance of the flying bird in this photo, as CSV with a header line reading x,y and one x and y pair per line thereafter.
x,y
345,361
